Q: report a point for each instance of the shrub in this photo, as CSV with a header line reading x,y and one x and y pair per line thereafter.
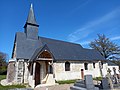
x,y
3,70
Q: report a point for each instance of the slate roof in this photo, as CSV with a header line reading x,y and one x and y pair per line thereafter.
x,y
25,47
111,63
61,50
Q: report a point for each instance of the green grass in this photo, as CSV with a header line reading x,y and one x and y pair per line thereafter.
x,y
9,86
2,77
98,78
66,81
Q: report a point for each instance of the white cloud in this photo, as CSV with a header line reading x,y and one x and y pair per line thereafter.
x,y
85,43
81,5
92,26
115,38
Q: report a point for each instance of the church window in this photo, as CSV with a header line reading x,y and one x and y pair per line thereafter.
x,y
67,66
101,64
86,66
93,65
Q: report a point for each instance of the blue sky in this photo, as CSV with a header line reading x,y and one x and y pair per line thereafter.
x,y
77,21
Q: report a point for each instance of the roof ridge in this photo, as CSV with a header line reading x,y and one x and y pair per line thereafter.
x,y
60,41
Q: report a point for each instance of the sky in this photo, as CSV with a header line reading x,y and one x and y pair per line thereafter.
x,y
77,21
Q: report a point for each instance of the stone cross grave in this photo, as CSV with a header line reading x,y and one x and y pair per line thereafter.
x,y
109,78
115,76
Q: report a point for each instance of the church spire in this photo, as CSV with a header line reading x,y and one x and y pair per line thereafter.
x,y
31,26
31,17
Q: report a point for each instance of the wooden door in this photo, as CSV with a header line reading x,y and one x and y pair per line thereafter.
x,y
37,74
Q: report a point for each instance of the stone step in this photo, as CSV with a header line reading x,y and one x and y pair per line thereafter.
x,y
80,85
77,88
50,79
80,81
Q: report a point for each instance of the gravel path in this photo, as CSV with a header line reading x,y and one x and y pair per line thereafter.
x,y
21,89
56,87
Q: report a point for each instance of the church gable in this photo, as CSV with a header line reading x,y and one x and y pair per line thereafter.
x,y
45,54
42,53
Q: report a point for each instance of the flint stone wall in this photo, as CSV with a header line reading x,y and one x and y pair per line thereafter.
x,y
11,72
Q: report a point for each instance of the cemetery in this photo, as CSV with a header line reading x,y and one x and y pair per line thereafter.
x,y
110,82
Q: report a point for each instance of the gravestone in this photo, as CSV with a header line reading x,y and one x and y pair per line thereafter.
x,y
109,78
89,82
86,84
105,84
115,76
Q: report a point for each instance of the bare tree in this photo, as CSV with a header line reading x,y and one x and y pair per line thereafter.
x,y
107,48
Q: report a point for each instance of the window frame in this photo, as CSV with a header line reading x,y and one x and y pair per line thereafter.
x,y
86,66
93,65
67,66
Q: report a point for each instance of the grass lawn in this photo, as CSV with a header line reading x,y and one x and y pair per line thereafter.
x,y
98,78
66,81
9,86
2,77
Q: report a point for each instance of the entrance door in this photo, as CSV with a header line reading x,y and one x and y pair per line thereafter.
x,y
82,73
37,74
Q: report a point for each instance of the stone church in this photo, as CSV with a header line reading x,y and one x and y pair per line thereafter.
x,y
38,60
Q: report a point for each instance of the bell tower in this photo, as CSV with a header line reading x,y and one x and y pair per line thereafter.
x,y
31,26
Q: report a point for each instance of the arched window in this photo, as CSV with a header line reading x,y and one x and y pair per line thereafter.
x,y
86,66
93,65
67,66
101,64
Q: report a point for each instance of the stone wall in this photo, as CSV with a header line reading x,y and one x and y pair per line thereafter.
x,y
104,69
26,72
95,72
20,71
11,72
75,70
74,73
